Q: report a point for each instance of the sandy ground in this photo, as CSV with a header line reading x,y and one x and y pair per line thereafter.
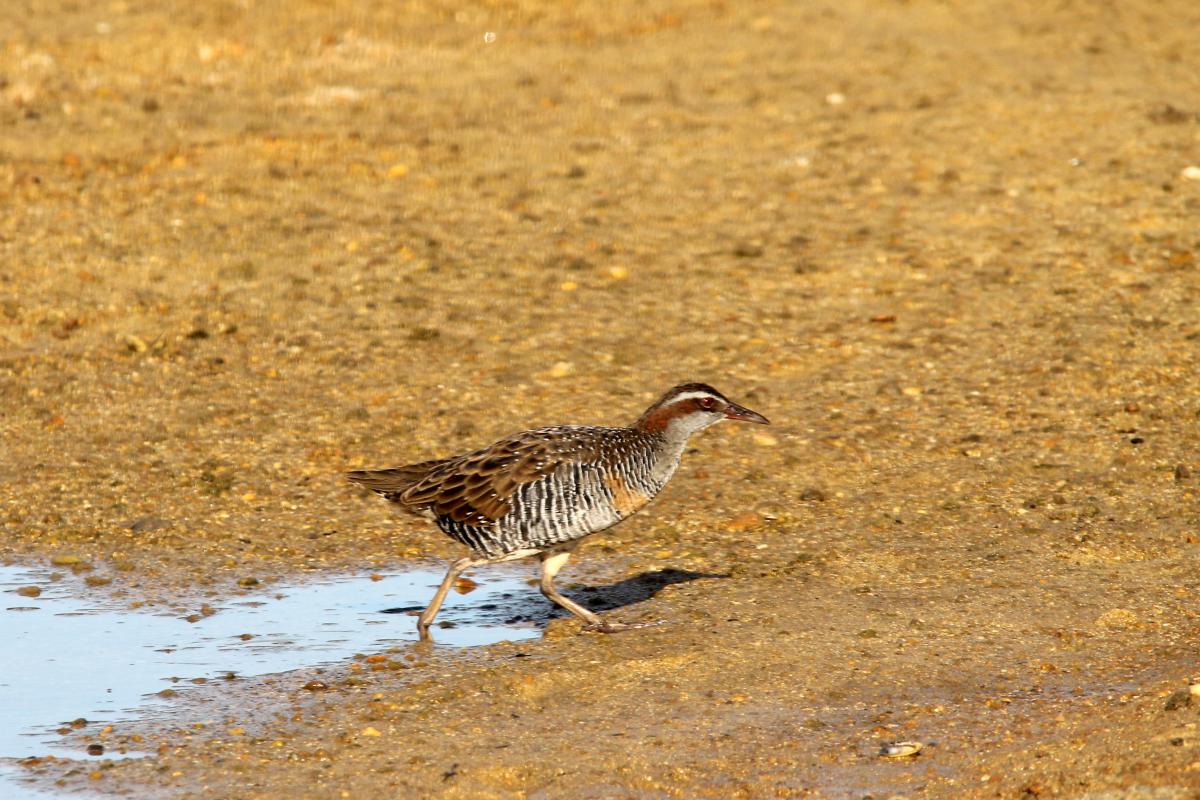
x,y
950,248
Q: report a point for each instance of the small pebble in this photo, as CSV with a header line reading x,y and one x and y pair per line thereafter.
x,y
95,749
1180,698
900,749
746,521
369,731
148,523
29,591
316,686
1191,173
765,440
1118,618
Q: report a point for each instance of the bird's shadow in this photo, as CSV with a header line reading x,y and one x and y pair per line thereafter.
x,y
633,590
532,607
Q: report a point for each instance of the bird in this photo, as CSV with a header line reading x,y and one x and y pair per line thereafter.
x,y
539,492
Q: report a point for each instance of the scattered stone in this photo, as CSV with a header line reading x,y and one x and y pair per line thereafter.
x,y
95,749
316,686
900,749
1182,472
369,731
1168,114
813,494
97,580
1180,698
248,581
148,523
765,440
1140,793
30,591
422,334
1191,173
1118,618
746,521
65,560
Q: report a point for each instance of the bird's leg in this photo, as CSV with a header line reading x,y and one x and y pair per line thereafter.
x,y
552,562
426,618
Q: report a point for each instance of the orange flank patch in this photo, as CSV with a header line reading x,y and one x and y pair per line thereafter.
x,y
626,499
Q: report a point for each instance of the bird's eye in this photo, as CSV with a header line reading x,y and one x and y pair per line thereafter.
x,y
706,403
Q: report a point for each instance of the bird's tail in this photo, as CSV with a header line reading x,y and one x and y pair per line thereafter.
x,y
394,480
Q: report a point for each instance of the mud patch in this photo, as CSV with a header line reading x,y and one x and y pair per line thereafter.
x,y
78,664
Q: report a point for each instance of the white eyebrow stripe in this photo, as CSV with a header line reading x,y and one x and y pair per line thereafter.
x,y
692,396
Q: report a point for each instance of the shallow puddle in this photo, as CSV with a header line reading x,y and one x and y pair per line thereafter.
x,y
66,657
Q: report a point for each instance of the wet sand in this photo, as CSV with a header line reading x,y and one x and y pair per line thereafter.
x,y
949,249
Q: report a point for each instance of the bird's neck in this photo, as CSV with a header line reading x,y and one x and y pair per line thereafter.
x,y
671,442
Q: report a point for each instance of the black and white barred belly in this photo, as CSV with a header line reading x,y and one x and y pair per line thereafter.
x,y
573,501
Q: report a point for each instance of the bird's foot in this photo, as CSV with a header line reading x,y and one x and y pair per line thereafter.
x,y
613,626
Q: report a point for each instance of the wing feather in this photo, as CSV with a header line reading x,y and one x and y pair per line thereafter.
x,y
479,487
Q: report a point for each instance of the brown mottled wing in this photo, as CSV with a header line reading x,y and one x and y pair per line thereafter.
x,y
478,488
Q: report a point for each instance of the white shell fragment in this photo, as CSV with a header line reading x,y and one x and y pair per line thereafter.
x,y
900,749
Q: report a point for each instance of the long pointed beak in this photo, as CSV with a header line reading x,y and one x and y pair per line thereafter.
x,y
743,414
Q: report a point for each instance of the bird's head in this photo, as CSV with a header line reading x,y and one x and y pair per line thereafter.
x,y
692,407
